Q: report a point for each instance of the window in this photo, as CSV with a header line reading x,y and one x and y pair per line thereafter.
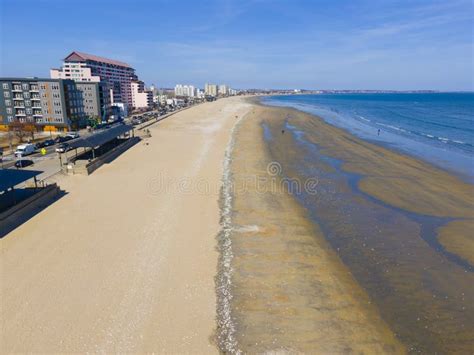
x,y
26,95
8,102
10,118
25,86
5,86
6,93
29,111
27,103
9,110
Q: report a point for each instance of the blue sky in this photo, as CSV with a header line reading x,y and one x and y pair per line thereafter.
x,y
354,44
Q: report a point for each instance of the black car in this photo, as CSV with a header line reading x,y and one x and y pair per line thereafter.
x,y
48,142
62,139
22,163
45,143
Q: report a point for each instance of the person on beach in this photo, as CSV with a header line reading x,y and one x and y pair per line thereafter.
x,y
378,132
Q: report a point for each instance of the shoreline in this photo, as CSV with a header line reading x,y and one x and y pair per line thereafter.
x,y
289,290
466,176
385,247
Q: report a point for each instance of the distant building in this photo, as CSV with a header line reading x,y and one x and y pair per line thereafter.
x,y
210,89
199,94
184,90
117,76
223,90
51,104
141,98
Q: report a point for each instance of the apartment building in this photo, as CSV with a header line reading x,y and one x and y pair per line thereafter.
x,y
141,98
83,67
223,90
96,99
210,89
184,90
48,103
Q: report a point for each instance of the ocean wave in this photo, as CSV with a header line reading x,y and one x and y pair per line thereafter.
x,y
363,118
392,127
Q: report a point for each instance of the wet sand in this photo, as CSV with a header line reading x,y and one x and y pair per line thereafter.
x,y
125,262
381,212
289,291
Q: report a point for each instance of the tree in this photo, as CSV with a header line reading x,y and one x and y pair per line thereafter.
x,y
23,129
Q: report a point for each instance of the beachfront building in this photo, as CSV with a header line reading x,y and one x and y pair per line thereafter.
x,y
49,104
210,89
223,90
141,98
83,67
96,99
184,90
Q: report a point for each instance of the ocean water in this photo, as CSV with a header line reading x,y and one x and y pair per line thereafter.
x,y
436,127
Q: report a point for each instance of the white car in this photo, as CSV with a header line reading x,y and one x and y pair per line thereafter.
x,y
24,149
63,148
73,135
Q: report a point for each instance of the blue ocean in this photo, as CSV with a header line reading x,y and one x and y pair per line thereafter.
x,y
436,127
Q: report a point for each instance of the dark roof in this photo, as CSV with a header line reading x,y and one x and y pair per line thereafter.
x,y
78,56
13,177
100,137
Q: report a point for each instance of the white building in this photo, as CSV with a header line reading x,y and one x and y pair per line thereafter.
x,y
210,89
223,90
184,90
140,97
116,75
199,94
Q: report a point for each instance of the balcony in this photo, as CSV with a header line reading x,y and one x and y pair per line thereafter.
x,y
19,105
18,97
17,88
22,114
34,89
37,114
36,98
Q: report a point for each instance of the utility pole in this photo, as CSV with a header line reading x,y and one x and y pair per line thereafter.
x,y
10,140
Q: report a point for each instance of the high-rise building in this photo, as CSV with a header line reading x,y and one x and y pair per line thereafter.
x,y
210,89
116,75
223,90
184,90
49,103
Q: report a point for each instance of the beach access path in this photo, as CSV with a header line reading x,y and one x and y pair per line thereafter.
x,y
126,260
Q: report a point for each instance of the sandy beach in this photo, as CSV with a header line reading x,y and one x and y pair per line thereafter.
x,y
196,241
126,260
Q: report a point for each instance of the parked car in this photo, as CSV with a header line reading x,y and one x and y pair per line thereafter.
x,y
24,149
46,143
63,148
72,134
22,163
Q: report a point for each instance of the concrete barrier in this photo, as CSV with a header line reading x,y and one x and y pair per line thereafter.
x,y
25,209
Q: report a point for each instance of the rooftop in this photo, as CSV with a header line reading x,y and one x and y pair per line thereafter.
x,y
80,56
13,177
